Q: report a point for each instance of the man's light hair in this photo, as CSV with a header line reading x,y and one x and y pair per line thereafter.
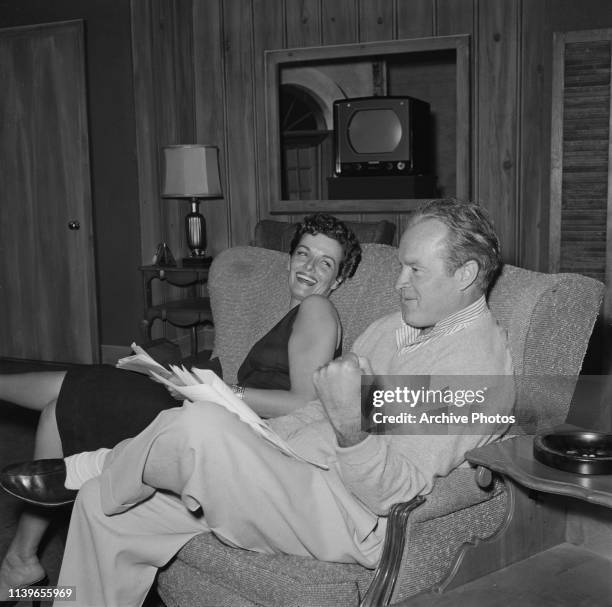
x,y
471,236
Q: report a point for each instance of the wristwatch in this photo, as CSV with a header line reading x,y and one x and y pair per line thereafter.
x,y
238,390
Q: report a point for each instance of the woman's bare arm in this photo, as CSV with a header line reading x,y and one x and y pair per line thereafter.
x,y
314,338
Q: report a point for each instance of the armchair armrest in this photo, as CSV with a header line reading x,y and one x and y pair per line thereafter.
x,y
382,585
460,490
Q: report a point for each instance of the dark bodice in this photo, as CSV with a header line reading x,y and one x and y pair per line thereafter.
x,y
267,363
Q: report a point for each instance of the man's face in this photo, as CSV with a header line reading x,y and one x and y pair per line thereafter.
x,y
428,293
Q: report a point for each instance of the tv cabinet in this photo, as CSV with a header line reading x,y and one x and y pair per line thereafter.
x,y
435,69
381,186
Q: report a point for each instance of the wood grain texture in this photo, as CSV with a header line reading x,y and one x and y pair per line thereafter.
x,y
455,17
302,23
241,146
378,21
459,17
211,125
498,116
47,276
165,101
416,18
152,220
534,156
146,140
562,576
339,22
345,207
339,26
164,97
269,33
175,117
509,83
556,161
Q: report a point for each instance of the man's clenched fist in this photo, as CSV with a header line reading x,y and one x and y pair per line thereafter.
x,y
338,386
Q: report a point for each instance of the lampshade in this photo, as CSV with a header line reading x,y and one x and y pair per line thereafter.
x,y
191,171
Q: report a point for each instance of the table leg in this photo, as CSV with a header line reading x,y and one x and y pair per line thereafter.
x,y
194,340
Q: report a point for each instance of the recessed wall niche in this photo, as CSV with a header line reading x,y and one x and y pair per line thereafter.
x,y
302,84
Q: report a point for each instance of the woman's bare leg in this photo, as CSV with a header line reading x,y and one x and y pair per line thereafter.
x,y
31,390
20,565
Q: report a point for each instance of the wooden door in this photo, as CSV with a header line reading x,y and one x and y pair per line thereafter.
x,y
47,280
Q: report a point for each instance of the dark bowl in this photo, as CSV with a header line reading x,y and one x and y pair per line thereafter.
x,y
579,451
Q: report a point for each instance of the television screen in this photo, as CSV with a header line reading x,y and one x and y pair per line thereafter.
x,y
381,135
374,131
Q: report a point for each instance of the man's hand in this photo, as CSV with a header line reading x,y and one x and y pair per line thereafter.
x,y
338,386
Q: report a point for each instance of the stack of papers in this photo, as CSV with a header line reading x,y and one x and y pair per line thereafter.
x,y
205,385
141,362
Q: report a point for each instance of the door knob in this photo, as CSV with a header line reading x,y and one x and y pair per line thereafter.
x,y
74,225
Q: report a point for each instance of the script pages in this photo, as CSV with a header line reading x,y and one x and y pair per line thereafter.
x,y
205,385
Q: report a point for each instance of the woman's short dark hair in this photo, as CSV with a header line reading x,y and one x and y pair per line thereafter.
x,y
471,236
332,227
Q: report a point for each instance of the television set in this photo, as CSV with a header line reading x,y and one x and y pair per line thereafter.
x,y
381,136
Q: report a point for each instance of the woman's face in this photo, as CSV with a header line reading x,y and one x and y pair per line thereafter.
x,y
314,266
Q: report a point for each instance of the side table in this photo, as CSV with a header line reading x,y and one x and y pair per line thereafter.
x,y
188,312
528,563
514,459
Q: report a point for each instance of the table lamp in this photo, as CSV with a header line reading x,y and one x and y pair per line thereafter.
x,y
192,171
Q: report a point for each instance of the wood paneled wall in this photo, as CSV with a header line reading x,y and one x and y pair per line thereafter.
x,y
199,78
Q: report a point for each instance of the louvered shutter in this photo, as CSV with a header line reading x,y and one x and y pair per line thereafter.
x,y
580,183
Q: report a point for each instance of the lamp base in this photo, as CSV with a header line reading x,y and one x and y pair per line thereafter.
x,y
197,261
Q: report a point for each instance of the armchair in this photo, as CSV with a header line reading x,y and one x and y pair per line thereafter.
x,y
549,319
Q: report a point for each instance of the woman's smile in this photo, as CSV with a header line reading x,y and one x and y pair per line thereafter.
x,y
314,267
306,279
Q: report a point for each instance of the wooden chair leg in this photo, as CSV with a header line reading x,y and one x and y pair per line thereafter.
x,y
382,585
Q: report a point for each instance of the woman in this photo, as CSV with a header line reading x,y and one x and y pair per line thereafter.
x,y
85,408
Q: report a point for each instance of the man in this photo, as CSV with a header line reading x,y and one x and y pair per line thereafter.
x,y
199,468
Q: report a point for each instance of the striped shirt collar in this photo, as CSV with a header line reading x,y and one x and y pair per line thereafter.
x,y
407,336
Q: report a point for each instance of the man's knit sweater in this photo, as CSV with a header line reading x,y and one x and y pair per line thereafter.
x,y
383,470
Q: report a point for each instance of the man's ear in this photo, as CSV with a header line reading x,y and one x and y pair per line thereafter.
x,y
467,273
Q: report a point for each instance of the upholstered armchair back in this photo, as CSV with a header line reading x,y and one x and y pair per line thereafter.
x,y
543,313
548,318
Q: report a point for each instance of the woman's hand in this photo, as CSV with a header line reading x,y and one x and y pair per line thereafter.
x,y
175,380
174,394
